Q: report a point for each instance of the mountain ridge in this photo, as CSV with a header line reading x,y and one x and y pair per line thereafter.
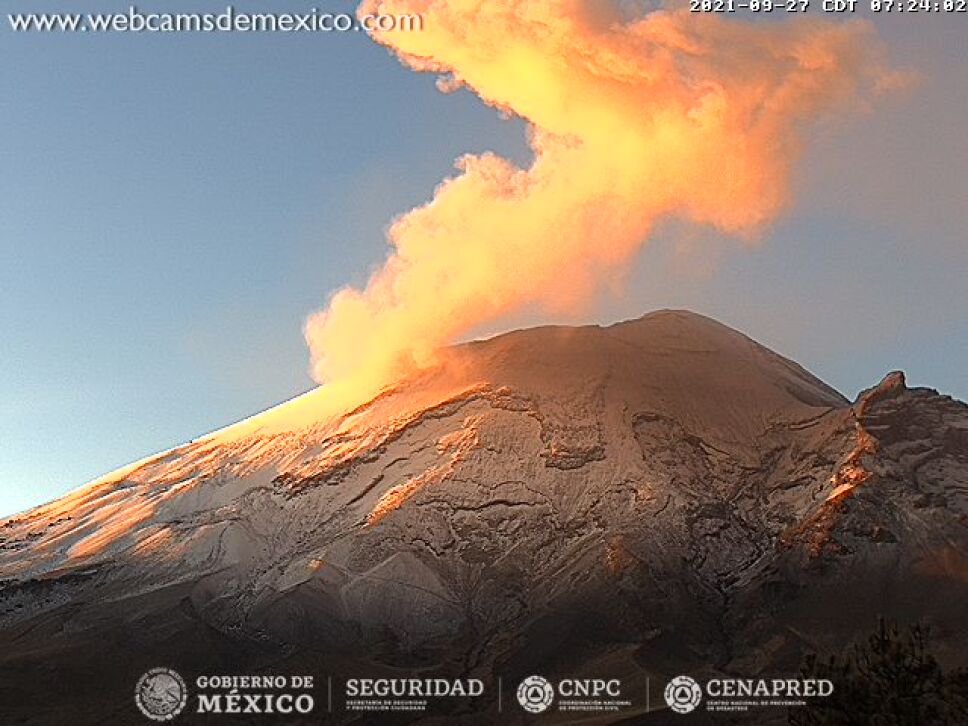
x,y
663,495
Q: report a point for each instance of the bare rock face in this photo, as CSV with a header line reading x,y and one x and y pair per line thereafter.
x,y
659,496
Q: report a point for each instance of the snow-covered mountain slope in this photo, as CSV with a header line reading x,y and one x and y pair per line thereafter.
x,y
576,384
656,496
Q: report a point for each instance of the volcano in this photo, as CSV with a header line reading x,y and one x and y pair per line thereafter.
x,y
656,497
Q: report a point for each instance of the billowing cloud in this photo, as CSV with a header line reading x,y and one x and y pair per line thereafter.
x,y
674,113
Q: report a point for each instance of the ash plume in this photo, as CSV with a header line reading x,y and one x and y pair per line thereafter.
x,y
672,113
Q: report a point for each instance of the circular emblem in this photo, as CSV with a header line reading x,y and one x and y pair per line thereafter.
x,y
683,694
535,694
161,694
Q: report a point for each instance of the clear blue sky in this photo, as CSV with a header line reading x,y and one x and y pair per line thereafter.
x,y
172,207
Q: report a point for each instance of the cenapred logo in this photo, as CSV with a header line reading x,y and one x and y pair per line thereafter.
x,y
683,694
161,694
535,694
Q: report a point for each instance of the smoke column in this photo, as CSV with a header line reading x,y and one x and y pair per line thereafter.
x,y
673,113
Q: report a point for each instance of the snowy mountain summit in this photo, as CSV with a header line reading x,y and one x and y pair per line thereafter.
x,y
655,497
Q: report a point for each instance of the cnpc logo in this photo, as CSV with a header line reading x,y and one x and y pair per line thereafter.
x,y
536,693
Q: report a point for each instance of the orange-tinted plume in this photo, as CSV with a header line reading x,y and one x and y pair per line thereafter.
x,y
674,113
